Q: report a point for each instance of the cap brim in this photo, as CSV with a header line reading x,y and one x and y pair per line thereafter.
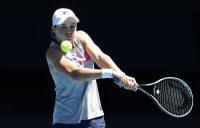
x,y
63,20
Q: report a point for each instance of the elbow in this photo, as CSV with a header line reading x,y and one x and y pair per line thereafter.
x,y
73,72
75,76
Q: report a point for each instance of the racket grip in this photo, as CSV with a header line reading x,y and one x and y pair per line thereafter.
x,y
116,81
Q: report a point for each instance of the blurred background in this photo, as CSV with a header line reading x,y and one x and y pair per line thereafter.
x,y
146,39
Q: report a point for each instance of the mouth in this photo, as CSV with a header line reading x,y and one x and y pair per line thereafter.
x,y
68,38
68,35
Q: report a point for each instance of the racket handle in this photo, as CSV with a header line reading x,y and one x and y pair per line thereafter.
x,y
116,81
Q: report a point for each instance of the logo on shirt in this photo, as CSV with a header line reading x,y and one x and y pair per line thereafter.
x,y
82,60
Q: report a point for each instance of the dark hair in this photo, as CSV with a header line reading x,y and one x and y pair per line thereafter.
x,y
53,37
52,34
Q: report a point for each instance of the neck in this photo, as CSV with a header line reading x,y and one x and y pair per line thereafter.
x,y
58,41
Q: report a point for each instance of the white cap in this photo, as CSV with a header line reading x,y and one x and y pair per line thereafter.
x,y
60,15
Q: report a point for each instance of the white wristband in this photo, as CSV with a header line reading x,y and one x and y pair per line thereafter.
x,y
107,73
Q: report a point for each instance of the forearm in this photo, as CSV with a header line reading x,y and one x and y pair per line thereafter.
x,y
106,62
85,74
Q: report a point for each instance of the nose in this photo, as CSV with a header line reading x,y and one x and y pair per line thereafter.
x,y
68,32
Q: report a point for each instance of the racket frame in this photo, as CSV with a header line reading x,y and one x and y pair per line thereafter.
x,y
141,88
158,104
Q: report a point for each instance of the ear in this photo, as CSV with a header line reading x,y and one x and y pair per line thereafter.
x,y
52,32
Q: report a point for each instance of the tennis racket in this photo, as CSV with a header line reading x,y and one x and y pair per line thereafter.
x,y
171,94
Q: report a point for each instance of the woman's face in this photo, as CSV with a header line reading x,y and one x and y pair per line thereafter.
x,y
66,30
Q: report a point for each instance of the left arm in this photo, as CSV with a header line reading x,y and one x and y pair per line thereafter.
x,y
100,58
104,61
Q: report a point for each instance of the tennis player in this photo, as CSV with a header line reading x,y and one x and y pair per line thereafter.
x,y
77,102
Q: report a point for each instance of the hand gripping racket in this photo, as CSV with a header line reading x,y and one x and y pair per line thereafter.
x,y
171,94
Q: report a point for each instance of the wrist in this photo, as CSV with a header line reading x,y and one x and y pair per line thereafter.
x,y
117,74
107,73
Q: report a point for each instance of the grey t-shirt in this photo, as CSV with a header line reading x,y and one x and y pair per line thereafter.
x,y
75,100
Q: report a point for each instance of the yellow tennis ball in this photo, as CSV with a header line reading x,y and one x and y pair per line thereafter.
x,y
66,46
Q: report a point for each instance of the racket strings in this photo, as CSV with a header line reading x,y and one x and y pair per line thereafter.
x,y
173,96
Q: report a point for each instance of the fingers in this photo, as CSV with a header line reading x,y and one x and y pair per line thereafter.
x,y
129,81
133,85
123,79
126,81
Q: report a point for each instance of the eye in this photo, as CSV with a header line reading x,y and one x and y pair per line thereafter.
x,y
72,26
63,27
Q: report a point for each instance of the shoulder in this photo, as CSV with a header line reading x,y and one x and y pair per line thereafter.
x,y
53,54
81,33
83,37
48,53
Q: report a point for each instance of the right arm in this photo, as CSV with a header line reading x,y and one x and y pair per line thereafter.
x,y
57,58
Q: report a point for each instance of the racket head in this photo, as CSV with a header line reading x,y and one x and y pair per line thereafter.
x,y
172,95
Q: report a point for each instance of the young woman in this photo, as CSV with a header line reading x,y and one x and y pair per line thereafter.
x,y
77,102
